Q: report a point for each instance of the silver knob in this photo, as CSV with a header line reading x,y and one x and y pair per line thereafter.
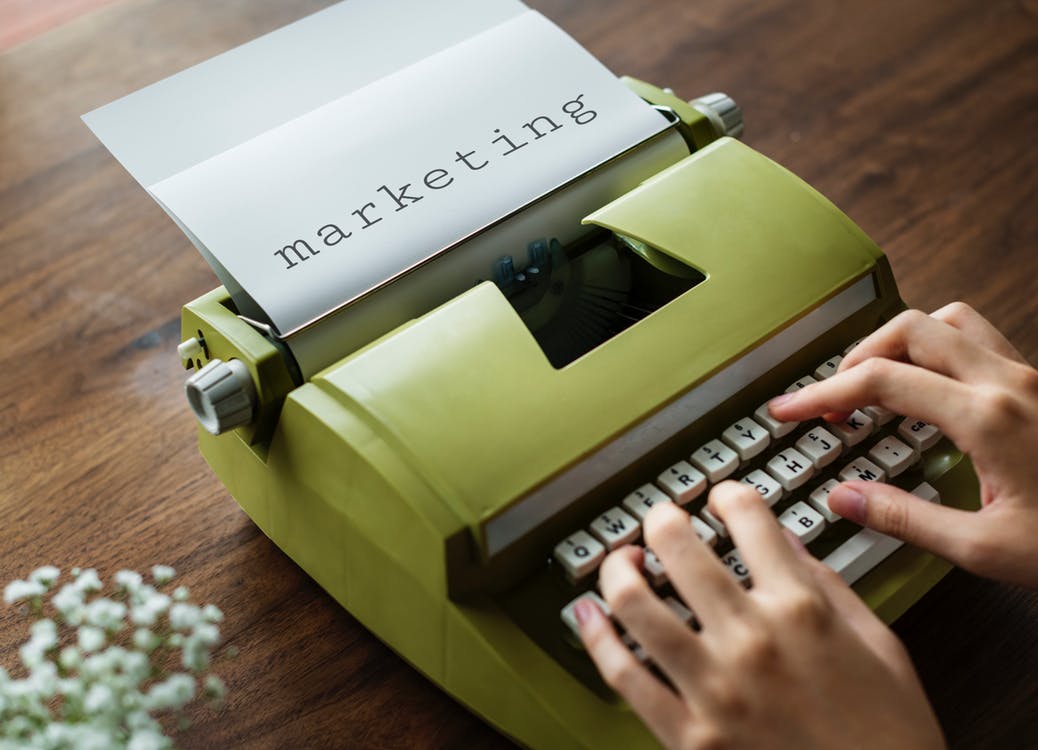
x,y
722,111
222,395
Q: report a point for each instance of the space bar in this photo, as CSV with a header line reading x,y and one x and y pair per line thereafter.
x,y
861,553
868,548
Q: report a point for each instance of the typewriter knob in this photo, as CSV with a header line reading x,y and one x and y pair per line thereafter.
x,y
222,395
722,111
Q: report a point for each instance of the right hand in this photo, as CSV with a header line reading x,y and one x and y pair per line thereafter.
x,y
955,370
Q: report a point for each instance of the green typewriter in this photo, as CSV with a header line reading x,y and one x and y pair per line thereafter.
x,y
454,476
451,446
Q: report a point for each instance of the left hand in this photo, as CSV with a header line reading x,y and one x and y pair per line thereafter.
x,y
798,661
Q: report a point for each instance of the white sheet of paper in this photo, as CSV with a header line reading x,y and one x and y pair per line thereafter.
x,y
430,126
184,119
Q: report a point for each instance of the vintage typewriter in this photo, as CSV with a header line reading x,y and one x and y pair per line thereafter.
x,y
454,473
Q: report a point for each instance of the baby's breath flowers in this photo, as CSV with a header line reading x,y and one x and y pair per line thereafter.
x,y
106,673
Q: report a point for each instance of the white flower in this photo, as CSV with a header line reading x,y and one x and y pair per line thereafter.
x,y
145,640
18,690
147,739
116,656
88,580
18,726
31,655
214,688
136,666
69,603
43,680
206,633
142,593
138,719
81,737
70,658
44,633
142,615
45,576
57,735
15,591
172,693
184,616
90,638
194,656
99,699
89,695
72,688
129,580
96,667
162,574
43,638
104,613
148,610
159,602
103,666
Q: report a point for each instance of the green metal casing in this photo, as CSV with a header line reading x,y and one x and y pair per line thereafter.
x,y
379,474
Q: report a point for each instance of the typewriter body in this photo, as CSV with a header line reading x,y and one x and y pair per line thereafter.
x,y
424,476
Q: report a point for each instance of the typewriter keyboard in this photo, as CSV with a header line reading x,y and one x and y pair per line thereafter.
x,y
792,465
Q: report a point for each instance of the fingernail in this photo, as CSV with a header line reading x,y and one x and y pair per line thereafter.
x,y
582,611
785,398
849,503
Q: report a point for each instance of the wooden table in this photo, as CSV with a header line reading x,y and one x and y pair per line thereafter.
x,y
918,119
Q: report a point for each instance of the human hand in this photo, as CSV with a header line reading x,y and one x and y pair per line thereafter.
x,y
955,370
798,661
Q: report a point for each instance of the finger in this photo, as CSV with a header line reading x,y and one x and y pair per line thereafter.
x,y
948,532
863,621
667,639
903,388
848,604
915,337
662,710
757,535
973,324
696,573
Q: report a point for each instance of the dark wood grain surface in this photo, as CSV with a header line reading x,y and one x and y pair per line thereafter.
x,y
917,118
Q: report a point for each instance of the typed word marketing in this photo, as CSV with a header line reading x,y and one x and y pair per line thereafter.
x,y
388,200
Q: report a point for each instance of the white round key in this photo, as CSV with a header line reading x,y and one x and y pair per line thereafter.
x,y
893,455
791,468
803,520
